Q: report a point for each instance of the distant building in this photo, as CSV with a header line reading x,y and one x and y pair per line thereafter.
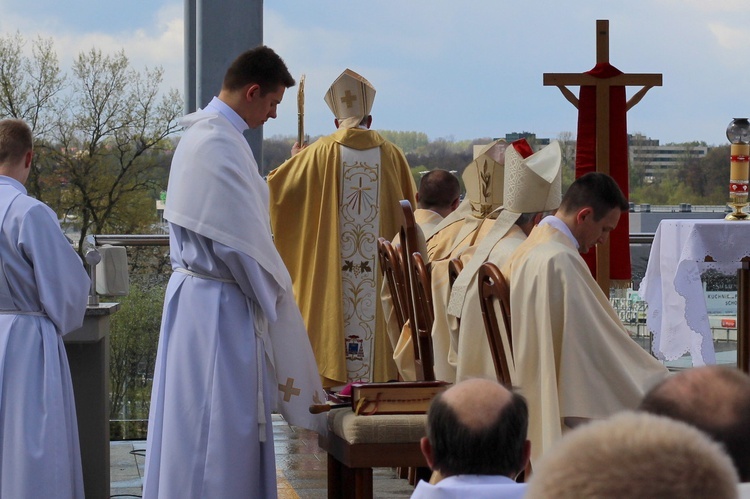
x,y
531,138
659,160
161,227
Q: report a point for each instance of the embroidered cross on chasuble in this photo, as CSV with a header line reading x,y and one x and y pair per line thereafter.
x,y
359,223
602,144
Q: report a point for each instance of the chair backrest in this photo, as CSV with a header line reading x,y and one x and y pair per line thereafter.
x,y
394,278
423,313
455,266
408,236
493,286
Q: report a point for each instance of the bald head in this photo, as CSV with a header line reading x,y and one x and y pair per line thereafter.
x,y
714,399
478,427
477,402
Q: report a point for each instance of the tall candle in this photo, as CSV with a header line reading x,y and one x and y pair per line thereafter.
x,y
739,172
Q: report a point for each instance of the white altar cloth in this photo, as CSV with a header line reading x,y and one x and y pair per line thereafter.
x,y
672,288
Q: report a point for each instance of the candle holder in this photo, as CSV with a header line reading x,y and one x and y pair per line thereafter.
x,y
738,133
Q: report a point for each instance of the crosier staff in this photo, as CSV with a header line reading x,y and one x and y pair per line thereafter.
x,y
301,112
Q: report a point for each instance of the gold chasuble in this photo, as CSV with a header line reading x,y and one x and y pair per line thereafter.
x,y
329,205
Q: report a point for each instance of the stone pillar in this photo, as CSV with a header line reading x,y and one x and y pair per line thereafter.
x,y
88,355
216,32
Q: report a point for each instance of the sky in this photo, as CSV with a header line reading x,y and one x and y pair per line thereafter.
x,y
453,70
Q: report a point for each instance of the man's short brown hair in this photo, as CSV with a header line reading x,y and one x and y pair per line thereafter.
x,y
596,190
261,66
15,140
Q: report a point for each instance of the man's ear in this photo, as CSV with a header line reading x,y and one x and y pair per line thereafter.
x,y
584,213
252,92
426,447
526,455
27,159
455,203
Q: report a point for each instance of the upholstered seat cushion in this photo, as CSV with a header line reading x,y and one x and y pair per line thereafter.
x,y
376,429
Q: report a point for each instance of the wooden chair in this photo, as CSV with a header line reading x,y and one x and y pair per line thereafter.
x,y
394,278
493,286
422,342
392,269
423,314
355,444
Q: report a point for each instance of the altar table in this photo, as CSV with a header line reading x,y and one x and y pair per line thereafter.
x,y
677,315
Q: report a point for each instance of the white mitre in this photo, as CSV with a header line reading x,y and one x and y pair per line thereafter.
x,y
534,183
484,179
350,99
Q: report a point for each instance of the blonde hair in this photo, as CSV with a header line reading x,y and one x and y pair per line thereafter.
x,y
635,455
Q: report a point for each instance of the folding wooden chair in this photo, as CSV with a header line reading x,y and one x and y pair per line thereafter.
x,y
355,444
493,286
422,341
394,278
424,314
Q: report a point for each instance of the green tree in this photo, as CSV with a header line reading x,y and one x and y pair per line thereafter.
x,y
30,90
276,150
407,141
134,336
101,146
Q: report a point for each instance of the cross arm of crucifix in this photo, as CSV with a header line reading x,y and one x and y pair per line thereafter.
x,y
562,80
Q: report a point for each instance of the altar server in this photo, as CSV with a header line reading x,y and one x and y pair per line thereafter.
x,y
233,346
43,296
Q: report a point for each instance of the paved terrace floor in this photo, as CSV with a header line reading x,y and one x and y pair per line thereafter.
x,y
300,467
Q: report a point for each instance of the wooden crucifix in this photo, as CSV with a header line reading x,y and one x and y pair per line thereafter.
x,y
602,139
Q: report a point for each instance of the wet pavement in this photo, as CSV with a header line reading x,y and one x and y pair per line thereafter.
x,y
300,467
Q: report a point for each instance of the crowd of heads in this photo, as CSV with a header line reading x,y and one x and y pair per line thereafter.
x,y
634,455
689,438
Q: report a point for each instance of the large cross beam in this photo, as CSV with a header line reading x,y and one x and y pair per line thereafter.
x,y
603,87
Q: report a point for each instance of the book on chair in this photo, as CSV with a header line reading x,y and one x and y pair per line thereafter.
x,y
397,397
